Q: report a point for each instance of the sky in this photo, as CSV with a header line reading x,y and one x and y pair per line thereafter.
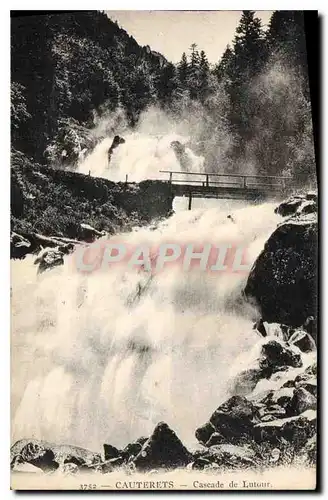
x,y
172,32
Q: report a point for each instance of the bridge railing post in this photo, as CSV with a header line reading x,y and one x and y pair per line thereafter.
x,y
207,180
245,182
170,180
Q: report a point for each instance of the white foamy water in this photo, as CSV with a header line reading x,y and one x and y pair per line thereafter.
x,y
104,357
141,157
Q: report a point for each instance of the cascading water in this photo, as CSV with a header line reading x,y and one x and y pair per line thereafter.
x,y
103,357
141,157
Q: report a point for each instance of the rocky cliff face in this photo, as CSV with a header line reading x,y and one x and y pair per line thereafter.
x,y
283,281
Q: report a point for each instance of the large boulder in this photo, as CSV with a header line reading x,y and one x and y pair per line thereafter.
x,y
283,280
290,206
40,456
278,355
110,452
163,450
49,456
294,430
301,401
233,422
302,340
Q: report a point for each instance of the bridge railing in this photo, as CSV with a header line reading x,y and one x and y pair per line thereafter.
x,y
213,179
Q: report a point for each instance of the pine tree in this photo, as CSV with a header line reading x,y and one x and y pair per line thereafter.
x,y
166,83
223,68
204,71
183,70
193,76
249,46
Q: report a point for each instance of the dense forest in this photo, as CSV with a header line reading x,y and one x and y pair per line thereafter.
x,y
249,112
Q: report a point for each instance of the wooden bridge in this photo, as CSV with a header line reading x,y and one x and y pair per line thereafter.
x,y
228,186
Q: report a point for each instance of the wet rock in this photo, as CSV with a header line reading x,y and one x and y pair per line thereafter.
x,y
276,355
302,340
19,246
235,419
132,450
289,383
39,456
271,412
215,439
307,208
283,280
289,207
309,385
301,401
302,377
270,417
162,450
110,452
204,433
281,397
295,430
88,233
233,457
49,258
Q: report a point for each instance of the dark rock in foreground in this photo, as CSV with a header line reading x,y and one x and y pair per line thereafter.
x,y
110,451
163,450
40,456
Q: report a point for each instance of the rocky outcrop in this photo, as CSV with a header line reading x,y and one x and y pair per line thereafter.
x,y
116,142
163,450
19,246
283,280
50,457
